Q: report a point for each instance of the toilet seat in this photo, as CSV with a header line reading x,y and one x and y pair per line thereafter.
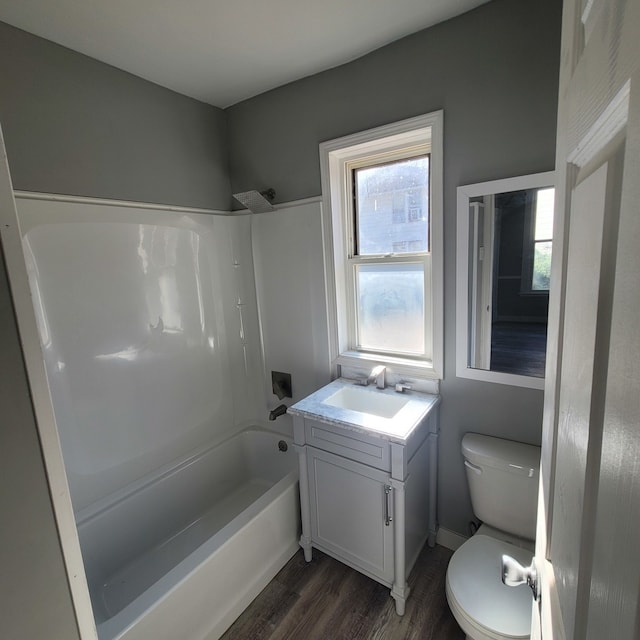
x,y
485,608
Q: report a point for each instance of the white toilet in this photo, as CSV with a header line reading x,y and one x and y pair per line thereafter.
x,y
503,482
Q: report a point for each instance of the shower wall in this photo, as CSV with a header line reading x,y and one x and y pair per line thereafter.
x,y
149,327
289,266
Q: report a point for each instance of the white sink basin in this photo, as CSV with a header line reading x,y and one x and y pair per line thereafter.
x,y
367,401
369,410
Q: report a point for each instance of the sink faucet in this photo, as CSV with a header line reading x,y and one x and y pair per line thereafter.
x,y
377,376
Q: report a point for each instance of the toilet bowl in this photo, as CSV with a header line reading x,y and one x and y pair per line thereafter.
x,y
484,608
503,482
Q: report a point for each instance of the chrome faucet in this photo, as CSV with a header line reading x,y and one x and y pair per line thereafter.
x,y
377,376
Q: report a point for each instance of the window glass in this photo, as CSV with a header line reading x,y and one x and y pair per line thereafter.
x,y
390,307
541,266
544,214
392,207
543,234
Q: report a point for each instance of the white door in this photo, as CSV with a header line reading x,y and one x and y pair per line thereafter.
x,y
587,548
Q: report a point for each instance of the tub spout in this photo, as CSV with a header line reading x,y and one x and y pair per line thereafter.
x,y
280,410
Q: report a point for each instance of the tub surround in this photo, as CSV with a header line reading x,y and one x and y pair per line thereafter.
x,y
368,482
149,332
139,310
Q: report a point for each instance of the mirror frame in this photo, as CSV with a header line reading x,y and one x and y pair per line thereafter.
x,y
465,193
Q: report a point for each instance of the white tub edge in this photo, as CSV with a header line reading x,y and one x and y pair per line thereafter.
x,y
198,607
260,581
95,510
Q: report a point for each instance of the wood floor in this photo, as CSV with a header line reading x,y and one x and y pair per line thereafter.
x,y
519,348
324,600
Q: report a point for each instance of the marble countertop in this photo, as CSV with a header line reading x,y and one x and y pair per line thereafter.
x,y
396,429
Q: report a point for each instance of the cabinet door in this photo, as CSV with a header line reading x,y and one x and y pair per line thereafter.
x,y
350,505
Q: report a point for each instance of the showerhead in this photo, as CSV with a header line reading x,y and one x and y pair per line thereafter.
x,y
256,202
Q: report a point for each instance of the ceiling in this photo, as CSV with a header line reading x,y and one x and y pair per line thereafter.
x,y
224,51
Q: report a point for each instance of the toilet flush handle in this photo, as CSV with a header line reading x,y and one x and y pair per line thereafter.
x,y
514,574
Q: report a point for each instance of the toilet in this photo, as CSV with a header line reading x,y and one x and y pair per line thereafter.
x,y
503,482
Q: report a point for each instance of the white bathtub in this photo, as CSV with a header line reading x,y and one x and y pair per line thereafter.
x,y
182,552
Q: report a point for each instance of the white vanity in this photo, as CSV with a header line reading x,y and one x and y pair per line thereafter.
x,y
368,469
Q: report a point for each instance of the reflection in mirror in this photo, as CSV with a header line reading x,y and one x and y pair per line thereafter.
x,y
505,237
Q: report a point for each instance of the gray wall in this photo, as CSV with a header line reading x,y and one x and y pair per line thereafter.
x,y
76,126
494,71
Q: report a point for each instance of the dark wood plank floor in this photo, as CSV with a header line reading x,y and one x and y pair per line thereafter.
x,y
519,348
324,600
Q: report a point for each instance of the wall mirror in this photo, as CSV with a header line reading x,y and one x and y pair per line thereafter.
x,y
505,238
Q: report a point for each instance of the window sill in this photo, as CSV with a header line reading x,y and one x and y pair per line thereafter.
x,y
398,369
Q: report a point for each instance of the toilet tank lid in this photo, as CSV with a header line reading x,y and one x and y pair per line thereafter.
x,y
515,457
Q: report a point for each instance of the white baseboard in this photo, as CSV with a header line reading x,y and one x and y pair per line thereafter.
x,y
450,539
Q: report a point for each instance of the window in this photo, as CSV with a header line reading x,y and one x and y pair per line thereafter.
x,y
536,269
392,193
415,214
382,202
542,240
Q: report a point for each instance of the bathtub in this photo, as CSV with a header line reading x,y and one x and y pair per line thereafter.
x,y
182,552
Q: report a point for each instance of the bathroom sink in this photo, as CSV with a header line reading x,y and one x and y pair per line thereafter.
x,y
370,410
366,401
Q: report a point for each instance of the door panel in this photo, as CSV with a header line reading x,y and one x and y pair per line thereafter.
x,y
589,510
576,380
614,588
348,512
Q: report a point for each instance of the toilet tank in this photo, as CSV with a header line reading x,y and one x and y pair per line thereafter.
x,y
503,482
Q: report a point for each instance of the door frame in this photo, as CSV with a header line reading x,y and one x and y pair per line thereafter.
x,y
11,238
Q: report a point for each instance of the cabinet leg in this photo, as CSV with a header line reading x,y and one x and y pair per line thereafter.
x,y
305,514
400,595
400,589
433,488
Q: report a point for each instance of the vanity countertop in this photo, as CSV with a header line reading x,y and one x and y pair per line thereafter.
x,y
398,428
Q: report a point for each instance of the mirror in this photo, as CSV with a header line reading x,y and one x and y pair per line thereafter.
x,y
505,235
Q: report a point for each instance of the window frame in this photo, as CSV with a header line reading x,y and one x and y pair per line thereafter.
x,y
356,259
338,158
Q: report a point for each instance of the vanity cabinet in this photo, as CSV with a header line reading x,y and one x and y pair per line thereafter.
x,y
368,496
351,512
